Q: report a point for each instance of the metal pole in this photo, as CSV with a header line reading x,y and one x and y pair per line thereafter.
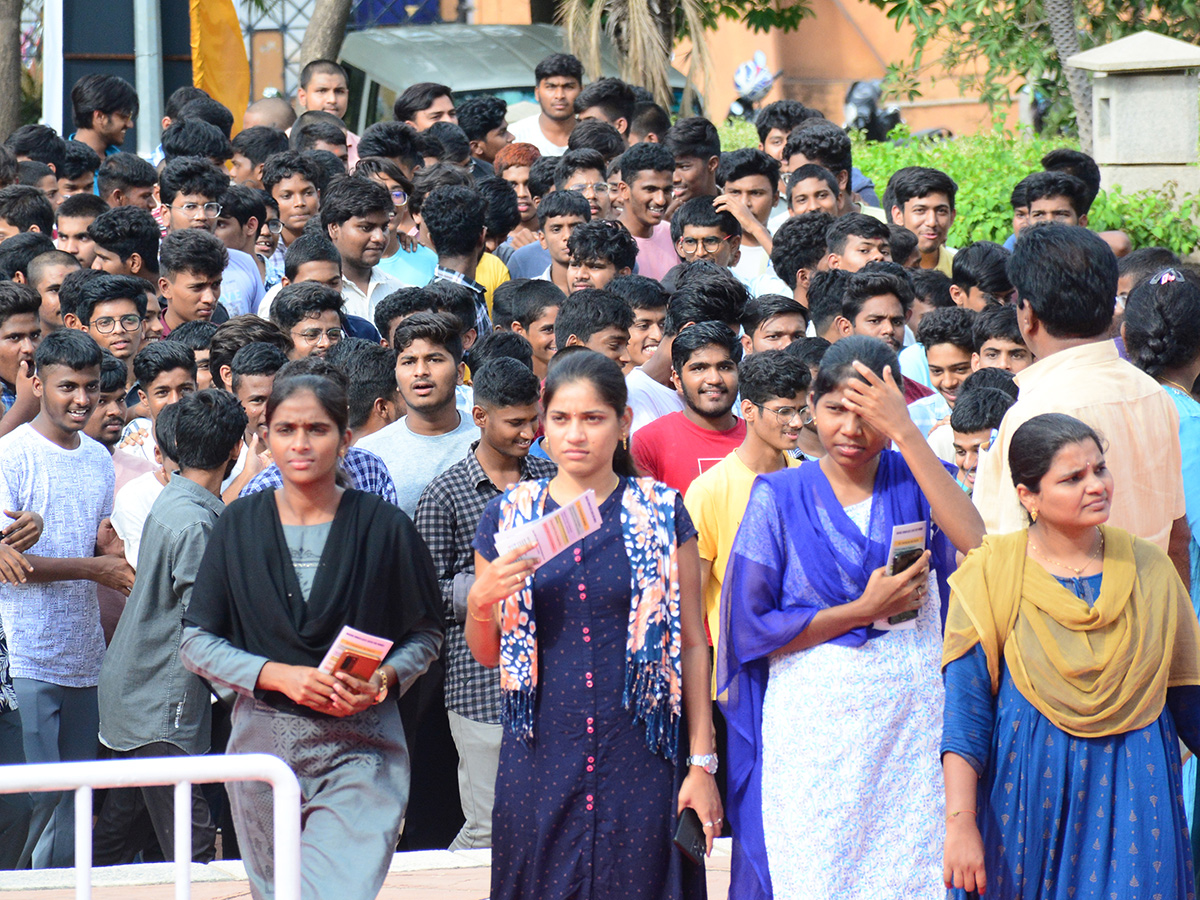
x,y
83,843
183,841
148,75
52,65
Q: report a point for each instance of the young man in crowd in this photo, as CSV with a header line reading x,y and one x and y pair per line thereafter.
x,y
423,104
678,447
825,294
198,337
998,342
506,415
324,86
165,372
38,143
923,202
292,179
46,274
230,337
775,121
534,312
609,99
53,619
484,122
559,80
559,214
20,333
125,179
979,276
703,230
644,192
74,217
600,251
974,421
513,164
1066,279
103,108
42,177
138,718
455,217
243,213
192,264
820,142
355,213
251,147
598,320
648,300
772,322
584,171
948,339
798,253
697,149
650,123
125,241
374,394
1057,197
434,434
853,240
749,181
812,187
111,309
311,315
24,208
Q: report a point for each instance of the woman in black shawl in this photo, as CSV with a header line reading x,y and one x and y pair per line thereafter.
x,y
283,572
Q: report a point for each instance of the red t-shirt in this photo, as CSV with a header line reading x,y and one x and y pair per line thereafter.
x,y
673,450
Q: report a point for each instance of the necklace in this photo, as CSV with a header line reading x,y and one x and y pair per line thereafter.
x,y
1177,386
1089,561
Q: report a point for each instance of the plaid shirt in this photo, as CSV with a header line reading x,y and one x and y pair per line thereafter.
x,y
483,322
366,470
447,515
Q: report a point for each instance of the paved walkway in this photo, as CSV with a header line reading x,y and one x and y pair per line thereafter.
x,y
423,875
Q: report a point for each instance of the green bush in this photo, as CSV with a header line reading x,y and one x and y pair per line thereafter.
x,y
988,165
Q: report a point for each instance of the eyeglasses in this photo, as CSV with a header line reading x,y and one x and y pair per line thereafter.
x,y
107,324
399,197
787,414
711,243
210,210
313,335
275,226
600,187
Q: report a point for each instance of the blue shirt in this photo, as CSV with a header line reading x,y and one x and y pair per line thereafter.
x,y
413,267
366,470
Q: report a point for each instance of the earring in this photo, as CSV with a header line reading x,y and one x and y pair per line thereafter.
x,y
624,443
1033,514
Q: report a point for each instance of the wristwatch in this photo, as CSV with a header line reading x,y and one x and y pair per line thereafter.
x,y
707,761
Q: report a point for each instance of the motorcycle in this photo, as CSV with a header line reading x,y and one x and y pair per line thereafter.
x,y
753,81
862,113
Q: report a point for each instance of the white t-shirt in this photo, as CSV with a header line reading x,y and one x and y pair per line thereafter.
x,y
753,262
130,510
414,460
529,131
147,446
648,399
53,629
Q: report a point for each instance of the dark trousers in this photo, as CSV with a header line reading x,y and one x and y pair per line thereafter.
x,y
16,810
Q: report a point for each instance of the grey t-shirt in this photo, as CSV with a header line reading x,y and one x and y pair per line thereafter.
x,y
305,544
414,460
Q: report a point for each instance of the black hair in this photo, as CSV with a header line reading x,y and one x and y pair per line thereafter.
x,y
69,291
195,335
649,119
951,325
122,171
291,162
401,303
799,243
613,96
17,300
440,328
767,306
531,299
700,335
997,321
353,195
207,426
191,175
329,393
931,287
916,182
297,302
206,109
164,432
772,374
1033,446
694,136
1068,275
479,115
161,356
104,94
195,137
502,382
430,178
603,239
381,166
455,216
690,305
826,292
30,172
990,377
502,215
576,161
598,135
541,176
858,225
418,97
1077,163
67,347
873,280
812,170
238,332
328,164
38,265
645,158
179,98
254,359
501,345
982,264
559,65
837,365
126,230
8,167
782,115
981,409
456,299
455,145
1140,264
809,350
563,203
112,374
823,143
192,250
18,251
392,140
640,291
78,159
701,212
83,206
25,207
718,284
242,204
371,372
309,247
308,135
259,142
107,288
315,365
41,143
1019,198
1043,185
1162,322
738,164
585,313
606,379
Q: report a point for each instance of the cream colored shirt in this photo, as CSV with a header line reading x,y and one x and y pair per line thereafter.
x,y
1133,416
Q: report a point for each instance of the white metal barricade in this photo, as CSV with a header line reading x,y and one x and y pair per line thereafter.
x,y
183,772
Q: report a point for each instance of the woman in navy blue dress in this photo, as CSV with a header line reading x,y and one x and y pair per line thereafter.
x,y
601,651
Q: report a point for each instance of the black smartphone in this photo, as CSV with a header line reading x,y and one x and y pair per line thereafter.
x,y
690,837
905,559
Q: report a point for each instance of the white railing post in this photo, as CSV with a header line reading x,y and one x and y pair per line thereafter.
x,y
183,840
83,842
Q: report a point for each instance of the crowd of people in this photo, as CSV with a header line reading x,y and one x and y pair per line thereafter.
x,y
273,383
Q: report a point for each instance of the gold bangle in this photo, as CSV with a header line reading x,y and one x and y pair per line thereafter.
x,y
491,619
959,813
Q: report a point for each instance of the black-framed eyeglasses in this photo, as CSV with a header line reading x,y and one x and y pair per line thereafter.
x,y
275,226
711,243
107,324
211,210
788,414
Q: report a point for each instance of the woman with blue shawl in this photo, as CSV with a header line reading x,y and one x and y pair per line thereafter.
x,y
834,722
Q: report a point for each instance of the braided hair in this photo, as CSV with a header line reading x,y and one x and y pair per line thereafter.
x,y
1162,322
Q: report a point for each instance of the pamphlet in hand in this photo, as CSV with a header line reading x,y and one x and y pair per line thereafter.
x,y
355,653
908,543
553,533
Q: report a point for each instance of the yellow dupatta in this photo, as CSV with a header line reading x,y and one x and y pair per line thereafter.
x,y
1095,671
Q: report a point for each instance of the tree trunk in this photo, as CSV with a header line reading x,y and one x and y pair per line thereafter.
x,y
1063,30
10,66
325,32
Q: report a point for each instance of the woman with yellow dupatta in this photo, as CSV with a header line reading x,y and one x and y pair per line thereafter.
x,y
1072,665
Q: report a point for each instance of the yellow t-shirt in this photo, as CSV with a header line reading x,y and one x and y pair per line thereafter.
x,y
491,273
716,500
